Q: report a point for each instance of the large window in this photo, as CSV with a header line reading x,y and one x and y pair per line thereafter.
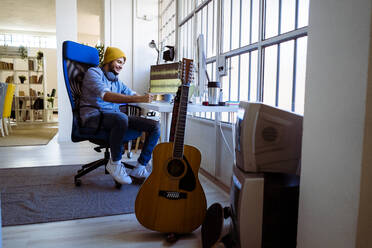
x,y
167,23
27,40
264,43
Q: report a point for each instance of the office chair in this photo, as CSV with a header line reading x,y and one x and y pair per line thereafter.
x,y
8,101
3,88
77,59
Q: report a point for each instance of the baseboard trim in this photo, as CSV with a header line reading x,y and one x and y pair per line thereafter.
x,y
214,180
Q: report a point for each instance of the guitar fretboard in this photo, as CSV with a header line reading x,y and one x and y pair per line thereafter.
x,y
181,123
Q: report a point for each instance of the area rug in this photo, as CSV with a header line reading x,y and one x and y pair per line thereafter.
x,y
46,194
31,135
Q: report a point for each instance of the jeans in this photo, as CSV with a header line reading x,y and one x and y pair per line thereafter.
x,y
117,125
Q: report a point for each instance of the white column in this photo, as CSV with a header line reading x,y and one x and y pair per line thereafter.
x,y
106,22
66,29
336,83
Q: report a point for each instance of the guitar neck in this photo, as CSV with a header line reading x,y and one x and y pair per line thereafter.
x,y
174,120
181,123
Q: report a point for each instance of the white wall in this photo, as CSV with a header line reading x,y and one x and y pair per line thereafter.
x,y
132,34
334,115
88,39
217,159
364,237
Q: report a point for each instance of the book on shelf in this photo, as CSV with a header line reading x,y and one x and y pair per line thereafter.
x,y
6,66
9,80
40,80
31,65
33,79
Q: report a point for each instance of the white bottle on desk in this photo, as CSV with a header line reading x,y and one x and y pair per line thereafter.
x,y
221,97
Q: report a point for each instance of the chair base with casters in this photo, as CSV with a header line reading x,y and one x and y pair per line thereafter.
x,y
85,169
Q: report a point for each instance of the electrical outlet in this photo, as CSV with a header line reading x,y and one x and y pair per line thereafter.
x,y
221,65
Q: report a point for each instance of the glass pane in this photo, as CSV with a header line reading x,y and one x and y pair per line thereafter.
x,y
253,76
303,13
211,71
215,13
300,75
234,80
270,68
199,23
190,39
246,22
183,9
226,24
288,16
182,39
255,18
272,18
225,83
286,75
224,116
244,77
2,40
205,27
235,24
211,32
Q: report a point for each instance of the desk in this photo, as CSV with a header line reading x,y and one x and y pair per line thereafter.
x,y
166,109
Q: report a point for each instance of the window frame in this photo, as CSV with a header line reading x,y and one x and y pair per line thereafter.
x,y
196,6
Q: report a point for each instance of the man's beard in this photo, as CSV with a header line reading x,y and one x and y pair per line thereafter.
x,y
111,69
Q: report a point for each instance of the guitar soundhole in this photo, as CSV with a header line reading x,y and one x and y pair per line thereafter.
x,y
176,168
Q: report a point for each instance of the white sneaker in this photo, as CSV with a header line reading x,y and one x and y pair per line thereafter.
x,y
118,172
140,172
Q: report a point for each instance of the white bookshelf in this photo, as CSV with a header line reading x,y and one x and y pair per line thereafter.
x,y
29,93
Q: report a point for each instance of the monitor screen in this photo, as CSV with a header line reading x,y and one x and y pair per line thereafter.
x,y
268,139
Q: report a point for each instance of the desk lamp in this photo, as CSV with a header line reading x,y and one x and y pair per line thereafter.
x,y
152,44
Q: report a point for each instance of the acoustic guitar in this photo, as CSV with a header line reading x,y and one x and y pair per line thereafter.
x,y
171,200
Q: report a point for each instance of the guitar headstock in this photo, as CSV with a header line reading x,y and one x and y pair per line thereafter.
x,y
186,69
187,75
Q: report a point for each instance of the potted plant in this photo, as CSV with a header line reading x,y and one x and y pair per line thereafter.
x,y
39,57
22,79
23,52
101,52
50,98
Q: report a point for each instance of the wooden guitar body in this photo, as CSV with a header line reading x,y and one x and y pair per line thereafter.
x,y
171,200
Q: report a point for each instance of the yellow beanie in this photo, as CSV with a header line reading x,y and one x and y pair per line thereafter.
x,y
113,53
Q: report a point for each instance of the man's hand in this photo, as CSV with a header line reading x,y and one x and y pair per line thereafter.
x,y
147,98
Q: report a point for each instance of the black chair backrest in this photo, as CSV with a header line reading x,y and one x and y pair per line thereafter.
x,y
77,59
75,74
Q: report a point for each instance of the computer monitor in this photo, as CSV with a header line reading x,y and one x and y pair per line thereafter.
x,y
267,139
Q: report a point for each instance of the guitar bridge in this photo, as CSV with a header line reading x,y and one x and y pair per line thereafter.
x,y
172,195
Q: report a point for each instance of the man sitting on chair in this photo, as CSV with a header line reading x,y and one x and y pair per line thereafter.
x,y
102,89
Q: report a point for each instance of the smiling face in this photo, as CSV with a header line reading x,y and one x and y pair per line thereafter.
x,y
116,65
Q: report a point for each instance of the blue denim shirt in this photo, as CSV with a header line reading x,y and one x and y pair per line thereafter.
x,y
95,85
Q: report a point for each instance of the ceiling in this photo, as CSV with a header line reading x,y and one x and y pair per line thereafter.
x,y
40,16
